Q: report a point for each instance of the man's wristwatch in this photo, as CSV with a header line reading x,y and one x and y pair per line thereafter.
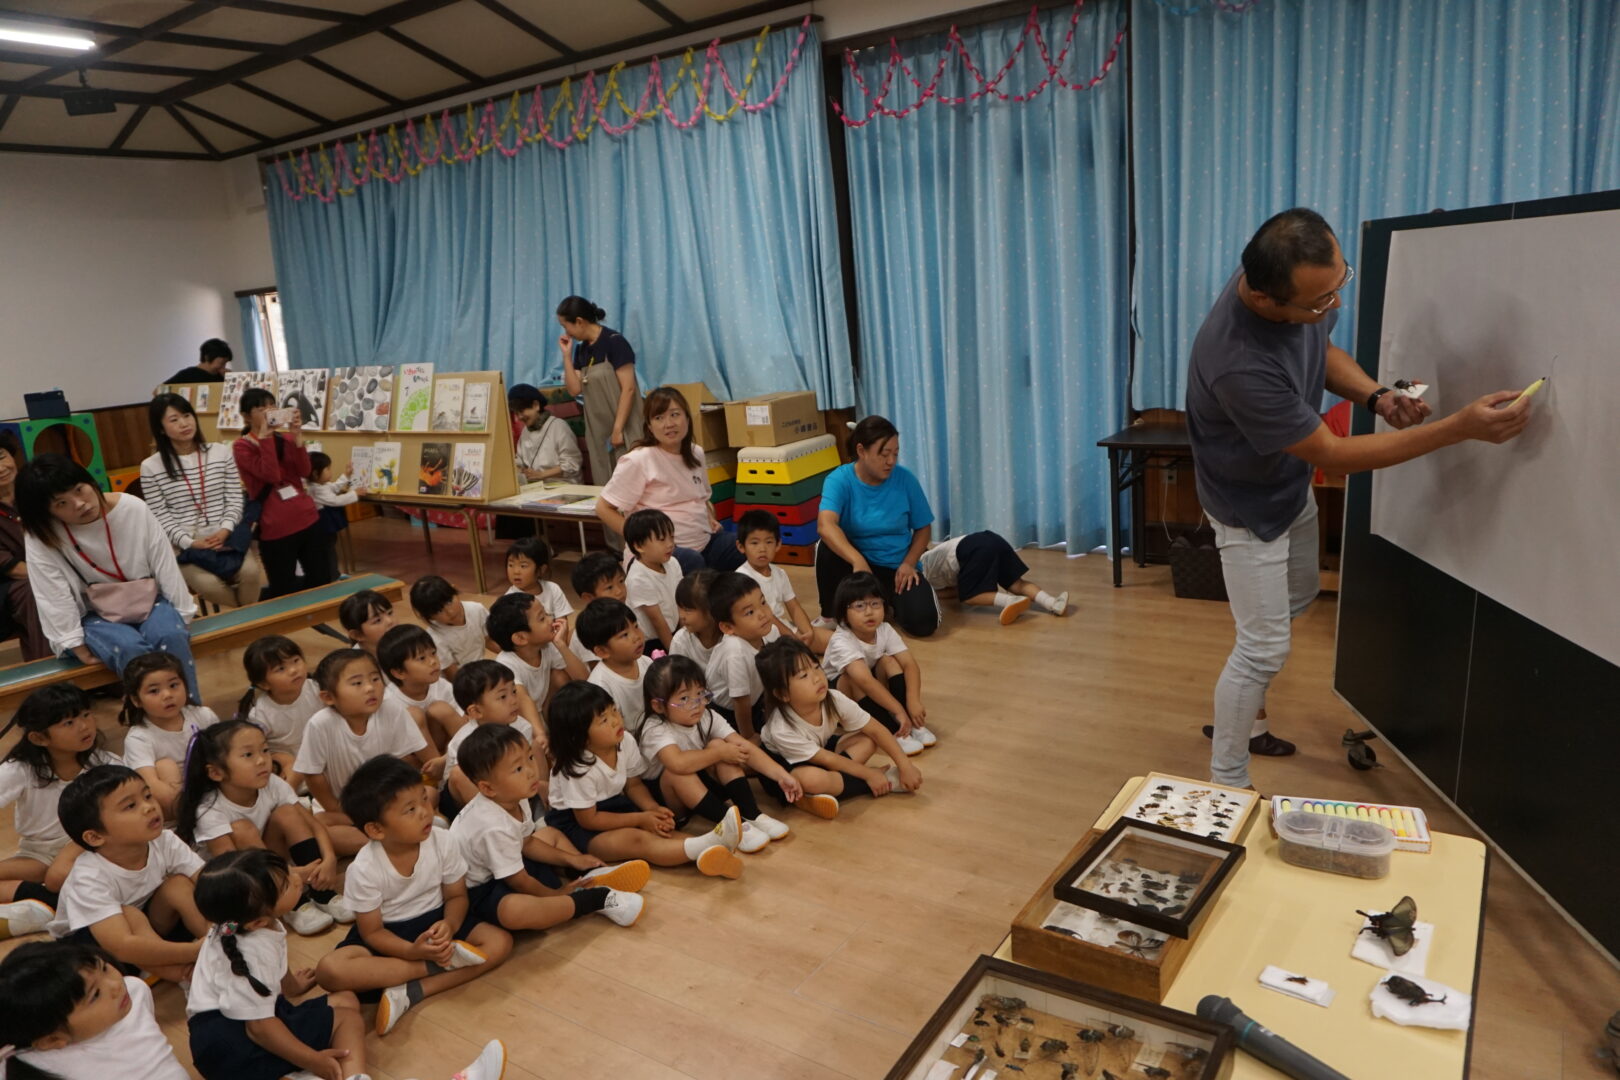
x,y
1372,399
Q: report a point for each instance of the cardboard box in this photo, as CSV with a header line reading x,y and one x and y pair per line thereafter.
x,y
709,419
774,419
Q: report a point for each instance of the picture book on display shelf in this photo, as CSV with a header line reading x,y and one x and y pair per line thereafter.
x,y
433,469
415,405
360,398
447,397
386,459
304,390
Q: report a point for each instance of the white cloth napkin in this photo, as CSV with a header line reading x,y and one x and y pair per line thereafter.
x,y
1450,1015
1376,951
1315,991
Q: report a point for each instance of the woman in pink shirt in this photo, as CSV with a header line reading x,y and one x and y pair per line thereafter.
x,y
666,472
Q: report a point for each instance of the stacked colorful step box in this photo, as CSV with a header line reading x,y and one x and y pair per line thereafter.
x,y
723,480
785,481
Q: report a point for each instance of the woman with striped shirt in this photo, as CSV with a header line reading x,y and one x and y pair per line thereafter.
x,y
195,492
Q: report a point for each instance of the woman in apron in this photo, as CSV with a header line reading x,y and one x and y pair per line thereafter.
x,y
599,364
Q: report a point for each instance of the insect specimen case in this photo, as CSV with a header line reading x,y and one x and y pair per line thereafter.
x,y
1006,1020
1150,875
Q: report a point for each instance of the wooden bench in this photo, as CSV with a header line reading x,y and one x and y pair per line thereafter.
x,y
209,634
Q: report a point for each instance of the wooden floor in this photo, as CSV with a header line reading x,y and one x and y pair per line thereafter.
x,y
827,956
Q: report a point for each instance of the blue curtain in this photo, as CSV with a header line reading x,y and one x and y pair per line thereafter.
x,y
990,266
713,250
1361,109
254,354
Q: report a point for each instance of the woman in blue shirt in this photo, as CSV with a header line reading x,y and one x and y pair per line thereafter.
x,y
875,518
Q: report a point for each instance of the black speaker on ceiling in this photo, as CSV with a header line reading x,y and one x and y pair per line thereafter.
x,y
89,102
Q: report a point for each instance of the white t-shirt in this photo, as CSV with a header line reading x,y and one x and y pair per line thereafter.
x,y
135,1048
439,691
332,750
777,588
844,648
650,478
731,672
535,678
216,814
35,819
552,598
599,782
450,750
644,587
465,643
577,647
660,733
685,643
98,889
284,724
146,745
372,882
491,840
797,740
215,986
626,692
939,564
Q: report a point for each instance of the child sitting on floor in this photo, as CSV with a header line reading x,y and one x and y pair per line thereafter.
x,y
413,935
868,661
596,575
456,625
161,724
738,607
528,637
410,660
699,633
611,631
281,697
984,571
759,535
366,616
653,576
488,693
527,562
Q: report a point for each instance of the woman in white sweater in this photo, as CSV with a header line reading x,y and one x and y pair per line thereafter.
x,y
79,542
195,492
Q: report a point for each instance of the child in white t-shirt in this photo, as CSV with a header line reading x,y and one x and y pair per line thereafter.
x,y
653,576
487,692
529,638
596,575
366,616
738,608
867,661
759,535
527,562
983,570
410,661
281,698
612,632
161,723
456,625
699,633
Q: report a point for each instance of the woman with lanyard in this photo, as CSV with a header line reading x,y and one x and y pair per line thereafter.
x,y
874,518
19,617
195,492
102,569
274,467
600,365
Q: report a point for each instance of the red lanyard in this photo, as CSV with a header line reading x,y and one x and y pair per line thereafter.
x,y
199,498
7,513
91,562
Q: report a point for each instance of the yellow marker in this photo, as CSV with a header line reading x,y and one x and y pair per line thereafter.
x,y
1529,391
1287,806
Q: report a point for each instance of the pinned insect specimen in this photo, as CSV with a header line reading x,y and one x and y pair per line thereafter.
x,y
1006,1003
1059,929
978,1059
1174,909
1410,992
1002,1018
1134,943
1053,1046
1301,979
1070,1071
1152,909
1023,1050
1106,1075
1393,926
1154,1071
1120,1031
1000,1053
1090,1035
1155,897
1190,1053
1148,806
1026,1022
1192,877
1014,1068
982,1023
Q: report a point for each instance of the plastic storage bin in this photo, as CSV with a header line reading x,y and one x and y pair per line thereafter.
x,y
1339,845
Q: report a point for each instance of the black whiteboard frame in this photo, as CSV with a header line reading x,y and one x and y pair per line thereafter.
x,y
1518,727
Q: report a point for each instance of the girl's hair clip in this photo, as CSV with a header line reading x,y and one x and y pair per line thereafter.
x,y
228,929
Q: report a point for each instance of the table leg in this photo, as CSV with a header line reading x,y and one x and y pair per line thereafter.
x,y
427,532
582,548
475,537
1113,511
1139,467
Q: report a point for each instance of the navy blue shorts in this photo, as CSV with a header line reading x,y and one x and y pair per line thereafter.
x,y
986,561
484,901
222,1050
684,813
566,823
411,929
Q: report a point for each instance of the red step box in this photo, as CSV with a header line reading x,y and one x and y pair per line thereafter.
x,y
802,514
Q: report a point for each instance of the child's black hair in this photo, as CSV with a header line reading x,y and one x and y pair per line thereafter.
x,y
233,890
531,547
592,570
135,673
477,678
41,711
693,591
79,809
257,660
483,749
430,595
399,646
754,521
41,983
318,463
601,619
358,608
777,663
212,746
853,589
509,616
334,663
726,590
666,678
644,525
568,722
375,785
251,399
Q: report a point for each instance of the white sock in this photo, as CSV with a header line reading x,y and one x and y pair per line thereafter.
x,y
1046,600
1260,727
1006,599
697,845
892,774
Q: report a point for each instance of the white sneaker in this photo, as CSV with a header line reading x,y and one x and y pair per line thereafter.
x,y
623,908
893,775
925,736
910,745
1060,604
24,917
824,623
753,839
822,806
629,876
395,1003
772,828
308,918
338,908
491,1063
464,956
730,829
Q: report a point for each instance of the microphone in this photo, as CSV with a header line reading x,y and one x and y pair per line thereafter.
x,y
1272,1049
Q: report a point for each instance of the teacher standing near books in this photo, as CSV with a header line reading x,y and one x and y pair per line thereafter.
x,y
599,364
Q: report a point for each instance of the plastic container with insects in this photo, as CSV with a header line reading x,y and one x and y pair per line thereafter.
x,y
1339,845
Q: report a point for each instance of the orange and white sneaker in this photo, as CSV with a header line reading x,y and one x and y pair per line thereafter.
x,y
491,1063
629,876
822,806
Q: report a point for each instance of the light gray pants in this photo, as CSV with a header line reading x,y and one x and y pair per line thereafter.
x,y
1269,584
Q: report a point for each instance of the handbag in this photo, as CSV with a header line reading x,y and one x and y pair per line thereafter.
x,y
123,601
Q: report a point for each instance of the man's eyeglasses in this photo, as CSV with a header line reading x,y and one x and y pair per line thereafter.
x,y
1332,298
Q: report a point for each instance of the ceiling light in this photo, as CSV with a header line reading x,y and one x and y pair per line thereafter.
x,y
54,41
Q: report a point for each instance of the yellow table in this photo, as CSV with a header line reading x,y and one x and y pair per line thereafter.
x,y
1305,921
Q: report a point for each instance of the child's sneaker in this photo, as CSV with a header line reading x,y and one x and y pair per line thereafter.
x,y
892,774
1059,604
719,861
925,736
395,1003
753,839
623,908
491,1063
1012,608
24,917
308,918
338,908
768,825
629,876
823,806
440,821
730,829
910,745
464,956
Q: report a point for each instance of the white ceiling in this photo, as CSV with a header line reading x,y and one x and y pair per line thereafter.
x,y
217,78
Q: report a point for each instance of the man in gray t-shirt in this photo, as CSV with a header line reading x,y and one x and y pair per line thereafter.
x,y
1259,366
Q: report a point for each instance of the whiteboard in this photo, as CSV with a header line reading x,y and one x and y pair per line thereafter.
x,y
1534,524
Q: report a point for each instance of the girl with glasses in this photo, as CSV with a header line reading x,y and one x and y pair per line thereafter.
x,y
868,662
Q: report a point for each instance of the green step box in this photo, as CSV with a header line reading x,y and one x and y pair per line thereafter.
x,y
780,494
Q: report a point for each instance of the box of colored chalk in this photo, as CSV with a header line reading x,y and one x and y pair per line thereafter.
x,y
1409,824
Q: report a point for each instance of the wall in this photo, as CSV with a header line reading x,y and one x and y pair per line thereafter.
x,y
113,271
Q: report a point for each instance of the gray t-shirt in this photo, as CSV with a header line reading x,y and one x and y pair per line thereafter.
x,y
1253,388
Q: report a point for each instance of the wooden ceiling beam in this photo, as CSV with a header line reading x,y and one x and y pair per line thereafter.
x,y
195,9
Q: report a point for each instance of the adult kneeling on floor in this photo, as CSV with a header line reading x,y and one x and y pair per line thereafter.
x,y
874,517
